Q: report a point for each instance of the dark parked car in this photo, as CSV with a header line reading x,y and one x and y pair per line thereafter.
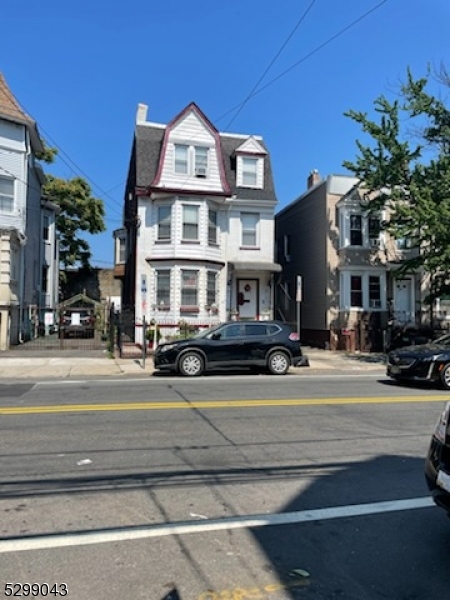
x,y
437,464
424,363
265,344
77,323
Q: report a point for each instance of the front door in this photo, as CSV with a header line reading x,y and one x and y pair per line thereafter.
x,y
403,301
247,300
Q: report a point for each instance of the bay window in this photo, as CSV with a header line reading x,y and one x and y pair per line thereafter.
x,y
212,226
190,222
163,288
189,289
164,223
362,290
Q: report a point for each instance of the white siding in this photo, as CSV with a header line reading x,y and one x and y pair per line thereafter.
x,y
191,131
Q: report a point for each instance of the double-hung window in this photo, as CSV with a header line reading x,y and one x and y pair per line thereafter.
x,y
181,159
356,230
356,292
362,290
189,288
6,194
249,226
163,288
212,226
122,250
201,161
164,223
211,288
190,222
249,171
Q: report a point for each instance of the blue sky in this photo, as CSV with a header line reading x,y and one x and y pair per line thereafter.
x,y
80,68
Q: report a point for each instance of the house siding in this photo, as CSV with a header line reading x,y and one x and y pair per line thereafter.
x,y
21,250
152,170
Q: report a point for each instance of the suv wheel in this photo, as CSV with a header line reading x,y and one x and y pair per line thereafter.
x,y
445,376
278,363
191,364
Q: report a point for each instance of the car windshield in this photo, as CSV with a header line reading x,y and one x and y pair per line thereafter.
x,y
206,333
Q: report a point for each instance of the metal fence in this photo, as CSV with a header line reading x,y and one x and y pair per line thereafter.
x,y
61,328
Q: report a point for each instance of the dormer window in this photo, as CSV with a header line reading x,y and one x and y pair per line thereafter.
x,y
250,171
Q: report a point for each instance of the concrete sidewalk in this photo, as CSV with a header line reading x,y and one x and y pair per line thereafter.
x,y
17,365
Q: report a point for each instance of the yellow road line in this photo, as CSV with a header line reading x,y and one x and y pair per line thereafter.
x,y
171,405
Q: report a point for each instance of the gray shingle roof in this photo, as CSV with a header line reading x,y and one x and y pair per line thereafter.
x,y
148,145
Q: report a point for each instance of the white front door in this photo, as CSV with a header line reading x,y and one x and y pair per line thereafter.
x,y
247,300
403,301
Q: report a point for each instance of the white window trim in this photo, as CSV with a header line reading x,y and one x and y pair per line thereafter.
x,y
158,222
10,180
190,240
257,226
259,172
195,165
344,287
344,230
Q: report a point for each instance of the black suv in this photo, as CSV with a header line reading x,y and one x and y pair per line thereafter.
x,y
264,344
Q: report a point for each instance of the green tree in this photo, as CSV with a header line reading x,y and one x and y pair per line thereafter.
x,y
80,212
405,168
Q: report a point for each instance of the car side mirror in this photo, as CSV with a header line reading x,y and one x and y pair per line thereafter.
x,y
216,336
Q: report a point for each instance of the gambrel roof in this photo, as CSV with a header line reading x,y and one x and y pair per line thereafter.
x,y
148,147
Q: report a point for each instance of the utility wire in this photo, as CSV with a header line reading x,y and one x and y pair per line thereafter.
x,y
311,53
270,65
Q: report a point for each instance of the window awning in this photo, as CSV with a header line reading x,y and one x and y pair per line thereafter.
x,y
256,266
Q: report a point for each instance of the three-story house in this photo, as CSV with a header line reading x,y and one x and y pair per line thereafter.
x,y
196,246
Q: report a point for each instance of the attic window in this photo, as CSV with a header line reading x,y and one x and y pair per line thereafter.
x,y
250,171
181,159
201,161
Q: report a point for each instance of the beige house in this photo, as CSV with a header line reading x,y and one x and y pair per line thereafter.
x,y
338,283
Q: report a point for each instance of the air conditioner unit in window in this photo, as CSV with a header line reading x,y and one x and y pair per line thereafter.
x,y
375,242
200,171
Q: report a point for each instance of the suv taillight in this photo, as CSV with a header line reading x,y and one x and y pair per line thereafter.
x,y
294,337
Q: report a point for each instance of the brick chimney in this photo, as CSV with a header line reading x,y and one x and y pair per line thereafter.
x,y
313,178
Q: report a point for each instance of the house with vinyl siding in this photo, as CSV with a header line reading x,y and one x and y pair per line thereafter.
x,y
29,252
196,246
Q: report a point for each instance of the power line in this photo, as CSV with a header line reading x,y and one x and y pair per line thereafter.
x,y
39,191
311,53
272,62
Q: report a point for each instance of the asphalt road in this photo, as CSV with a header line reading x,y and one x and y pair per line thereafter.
x,y
223,488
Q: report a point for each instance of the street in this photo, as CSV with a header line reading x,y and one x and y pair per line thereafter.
x,y
227,487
